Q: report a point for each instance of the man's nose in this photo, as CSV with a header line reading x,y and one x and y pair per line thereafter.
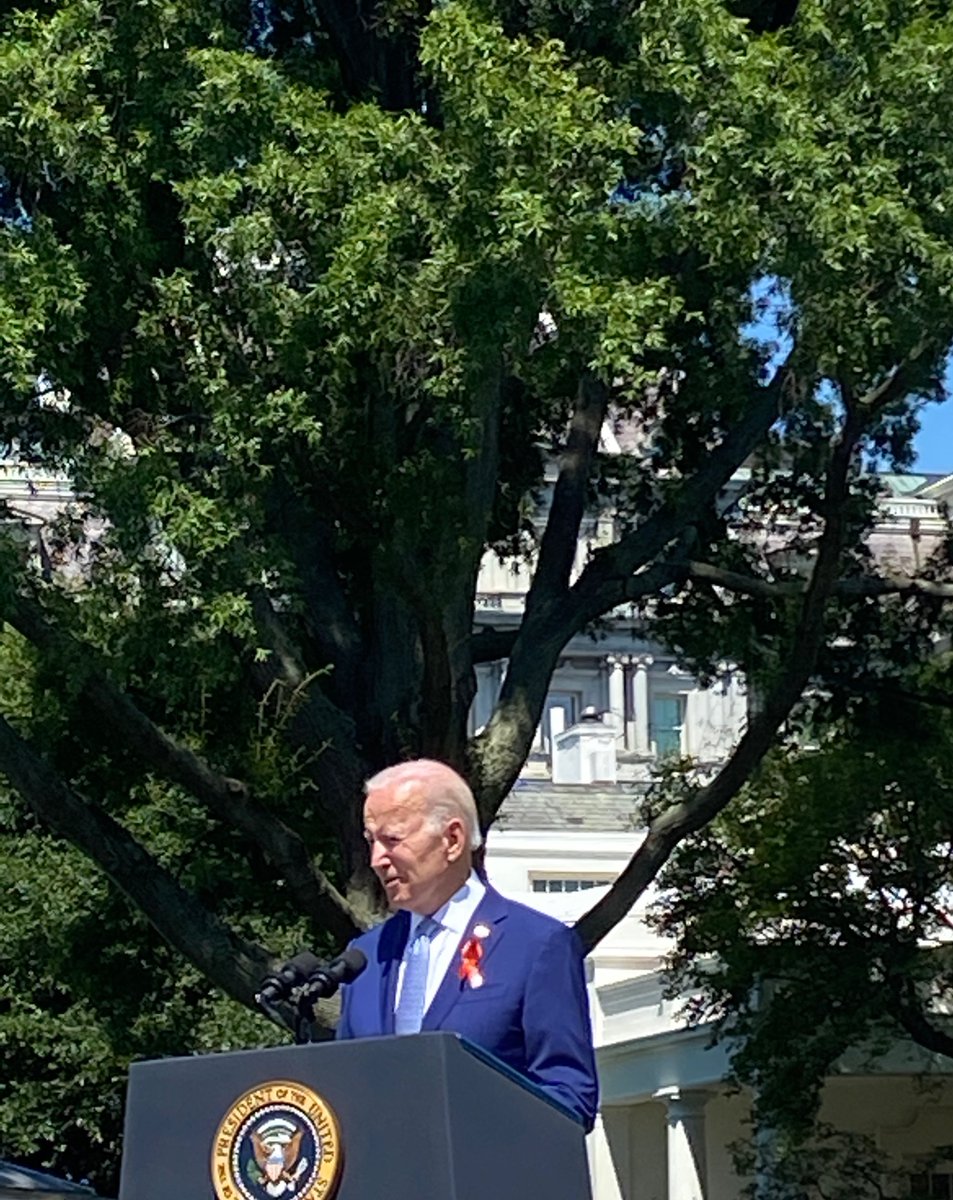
x,y
378,856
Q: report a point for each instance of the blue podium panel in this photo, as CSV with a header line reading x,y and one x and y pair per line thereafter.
x,y
398,1118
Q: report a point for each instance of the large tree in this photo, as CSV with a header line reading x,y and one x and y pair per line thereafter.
x,y
315,292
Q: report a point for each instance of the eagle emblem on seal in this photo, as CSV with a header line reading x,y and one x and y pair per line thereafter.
x,y
279,1141
281,1164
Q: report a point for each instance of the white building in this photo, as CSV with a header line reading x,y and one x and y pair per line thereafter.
x,y
615,708
667,1118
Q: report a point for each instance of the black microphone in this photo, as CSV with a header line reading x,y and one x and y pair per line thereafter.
x,y
293,974
324,981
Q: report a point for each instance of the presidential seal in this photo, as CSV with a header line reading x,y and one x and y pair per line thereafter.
x,y
279,1141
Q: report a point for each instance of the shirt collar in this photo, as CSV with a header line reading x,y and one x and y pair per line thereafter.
x,y
455,915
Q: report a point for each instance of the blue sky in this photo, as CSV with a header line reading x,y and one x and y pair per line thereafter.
x,y
933,445
934,442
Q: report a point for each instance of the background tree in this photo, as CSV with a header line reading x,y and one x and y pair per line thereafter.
x,y
280,276
832,927
829,1165
87,985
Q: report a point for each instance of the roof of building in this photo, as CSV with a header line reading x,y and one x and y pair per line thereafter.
x,y
17,1181
594,807
909,484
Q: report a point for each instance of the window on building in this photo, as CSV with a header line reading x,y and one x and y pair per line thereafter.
x,y
555,883
667,723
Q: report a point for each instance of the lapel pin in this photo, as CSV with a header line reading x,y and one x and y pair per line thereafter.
x,y
471,955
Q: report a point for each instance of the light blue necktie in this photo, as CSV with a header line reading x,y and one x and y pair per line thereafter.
x,y
409,1013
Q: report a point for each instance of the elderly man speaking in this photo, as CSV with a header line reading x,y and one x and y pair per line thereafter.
x,y
457,956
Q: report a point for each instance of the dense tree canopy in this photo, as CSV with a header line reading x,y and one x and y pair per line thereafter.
x,y
305,297
833,927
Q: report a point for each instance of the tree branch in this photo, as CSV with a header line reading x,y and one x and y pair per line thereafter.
x,y
902,379
498,753
490,645
328,618
318,725
557,551
319,728
231,963
598,588
229,799
933,697
673,825
856,587
908,1012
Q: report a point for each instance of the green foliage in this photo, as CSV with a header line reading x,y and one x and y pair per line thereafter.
x,y
814,915
88,987
830,1165
282,298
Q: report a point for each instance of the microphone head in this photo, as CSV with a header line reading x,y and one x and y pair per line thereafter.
x,y
353,962
301,966
295,972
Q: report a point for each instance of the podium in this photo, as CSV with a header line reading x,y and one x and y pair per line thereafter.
x,y
428,1117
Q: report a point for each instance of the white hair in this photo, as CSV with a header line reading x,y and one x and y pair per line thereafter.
x,y
445,794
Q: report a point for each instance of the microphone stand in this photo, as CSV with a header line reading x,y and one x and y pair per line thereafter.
x,y
304,1019
320,981
299,1021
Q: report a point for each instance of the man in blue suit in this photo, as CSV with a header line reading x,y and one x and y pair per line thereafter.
x,y
458,956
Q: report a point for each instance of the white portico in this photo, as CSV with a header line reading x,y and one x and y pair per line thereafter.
x,y
668,1120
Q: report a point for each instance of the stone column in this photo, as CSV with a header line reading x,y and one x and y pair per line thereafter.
x,y
629,708
603,1170
696,721
685,1131
616,691
641,698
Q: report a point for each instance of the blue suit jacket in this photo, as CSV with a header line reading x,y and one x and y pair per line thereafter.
x,y
531,1011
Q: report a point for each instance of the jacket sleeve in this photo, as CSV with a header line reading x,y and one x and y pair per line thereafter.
x,y
556,1026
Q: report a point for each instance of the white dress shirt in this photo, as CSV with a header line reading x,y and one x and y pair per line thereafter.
x,y
454,919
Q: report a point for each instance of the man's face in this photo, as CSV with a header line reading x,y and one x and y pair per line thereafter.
x,y
418,863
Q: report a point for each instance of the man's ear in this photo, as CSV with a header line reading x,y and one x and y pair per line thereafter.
x,y
456,834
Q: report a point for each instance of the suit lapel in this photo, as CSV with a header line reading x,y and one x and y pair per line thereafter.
x,y
492,912
391,951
